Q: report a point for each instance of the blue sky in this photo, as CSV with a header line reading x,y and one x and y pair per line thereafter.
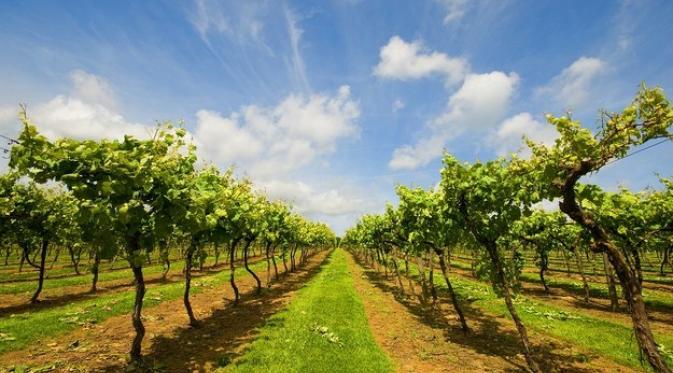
x,y
329,104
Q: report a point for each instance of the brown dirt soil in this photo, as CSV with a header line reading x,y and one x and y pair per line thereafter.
x,y
425,339
169,344
17,303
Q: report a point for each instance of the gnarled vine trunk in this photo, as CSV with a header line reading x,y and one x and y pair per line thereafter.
x,y
232,269
267,250
189,255
40,279
628,277
273,260
136,317
580,268
94,271
610,281
452,294
506,292
246,249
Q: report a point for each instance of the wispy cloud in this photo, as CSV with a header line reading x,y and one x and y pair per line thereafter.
x,y
455,10
297,67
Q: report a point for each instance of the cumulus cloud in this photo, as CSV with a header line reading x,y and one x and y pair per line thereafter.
x,y
572,87
308,200
508,138
271,141
86,113
92,88
405,61
264,142
480,103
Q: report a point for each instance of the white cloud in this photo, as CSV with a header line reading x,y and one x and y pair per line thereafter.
x,y
271,141
547,205
508,138
398,105
402,60
209,18
297,61
308,200
7,115
238,20
222,138
92,88
572,87
480,103
455,10
88,113
425,150
267,143
70,117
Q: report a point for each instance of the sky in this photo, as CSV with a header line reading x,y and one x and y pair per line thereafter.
x,y
330,104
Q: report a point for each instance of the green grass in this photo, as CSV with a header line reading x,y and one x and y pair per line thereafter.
x,y
603,337
18,331
324,329
652,298
85,279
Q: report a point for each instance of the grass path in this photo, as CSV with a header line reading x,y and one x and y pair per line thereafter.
x,y
324,329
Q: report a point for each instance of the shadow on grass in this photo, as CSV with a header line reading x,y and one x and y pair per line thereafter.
x,y
487,335
561,290
219,337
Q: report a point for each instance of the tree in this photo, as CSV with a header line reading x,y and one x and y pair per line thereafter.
x,y
431,226
578,152
486,199
129,185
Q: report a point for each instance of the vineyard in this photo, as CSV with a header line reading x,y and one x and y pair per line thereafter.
x,y
336,186
126,255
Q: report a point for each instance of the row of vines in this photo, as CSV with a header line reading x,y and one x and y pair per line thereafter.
x,y
130,199
493,210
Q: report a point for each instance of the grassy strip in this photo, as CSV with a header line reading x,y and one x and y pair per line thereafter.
x,y
595,268
23,287
324,329
18,331
606,338
63,267
652,298
85,279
